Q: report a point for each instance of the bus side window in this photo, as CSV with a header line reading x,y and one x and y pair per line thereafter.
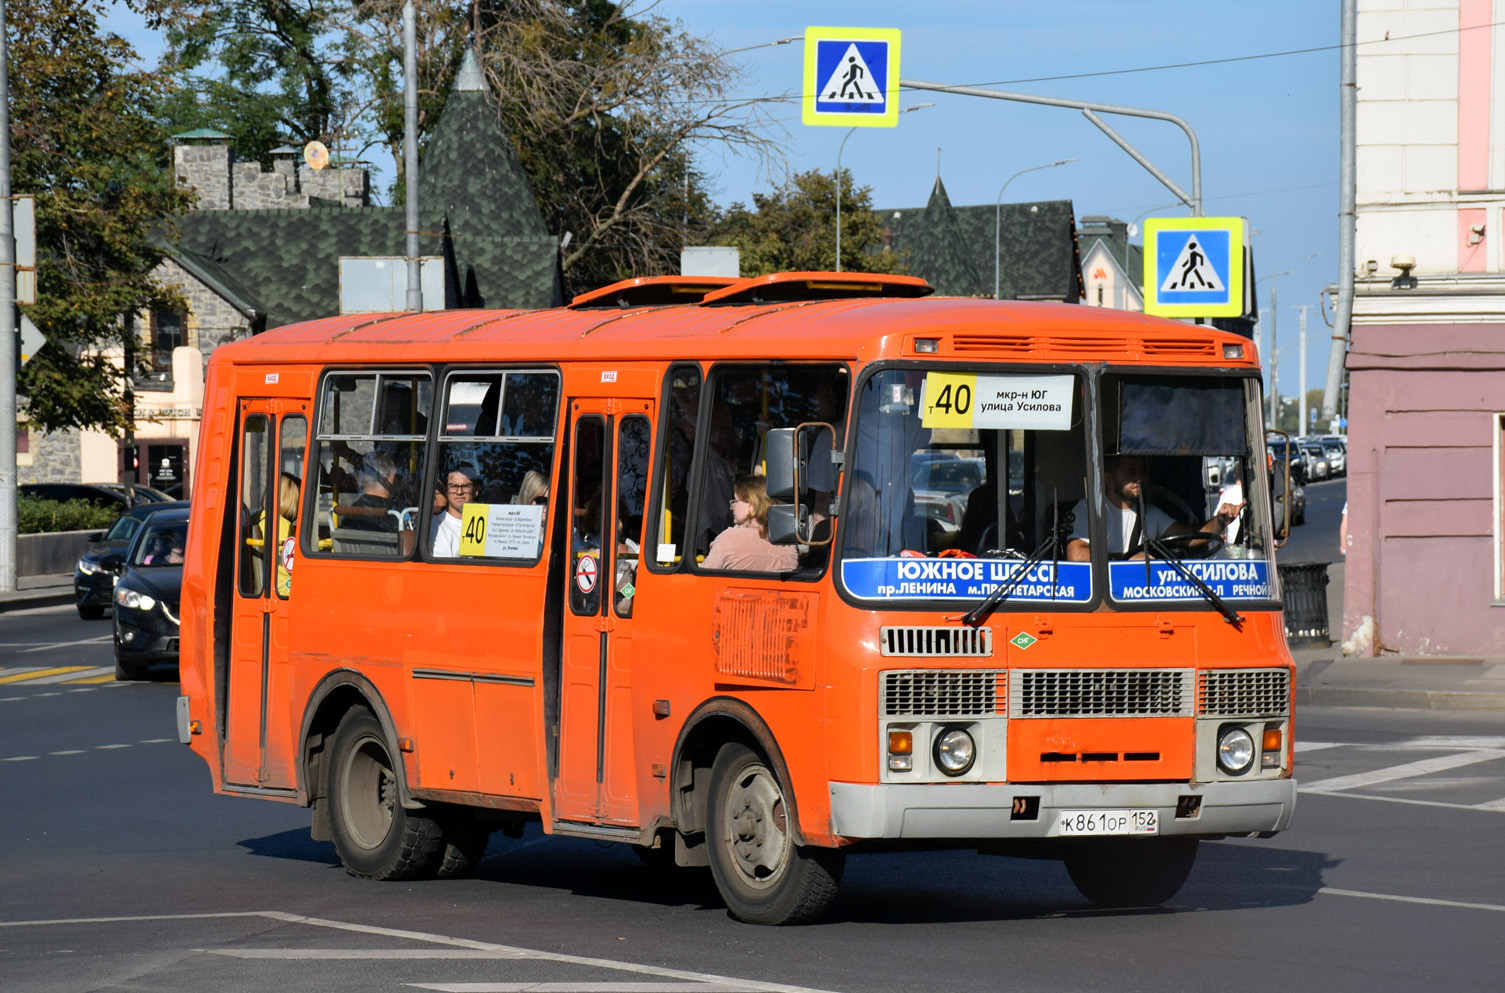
x,y
369,468
634,438
683,411
291,446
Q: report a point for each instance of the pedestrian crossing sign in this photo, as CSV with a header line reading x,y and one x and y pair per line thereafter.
x,y
1194,266
851,77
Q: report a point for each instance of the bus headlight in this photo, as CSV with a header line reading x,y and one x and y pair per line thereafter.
x,y
954,751
1235,751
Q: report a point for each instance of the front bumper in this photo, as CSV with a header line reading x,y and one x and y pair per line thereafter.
x,y
144,637
985,811
96,590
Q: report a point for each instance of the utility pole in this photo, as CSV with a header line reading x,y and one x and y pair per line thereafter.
x,y
1304,427
410,152
1274,366
8,344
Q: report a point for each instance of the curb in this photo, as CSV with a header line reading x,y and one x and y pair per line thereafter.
x,y
41,598
1361,696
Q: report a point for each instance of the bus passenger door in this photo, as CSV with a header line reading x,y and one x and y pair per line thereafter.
x,y
259,735
608,490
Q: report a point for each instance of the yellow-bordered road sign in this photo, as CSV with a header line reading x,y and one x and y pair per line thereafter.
x,y
852,77
1194,266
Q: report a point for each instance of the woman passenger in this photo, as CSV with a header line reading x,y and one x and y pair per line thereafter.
x,y
745,544
287,516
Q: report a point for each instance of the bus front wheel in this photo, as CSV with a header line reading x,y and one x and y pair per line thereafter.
x,y
374,834
1124,872
764,877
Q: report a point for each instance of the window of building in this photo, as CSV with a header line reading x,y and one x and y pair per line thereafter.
x,y
167,330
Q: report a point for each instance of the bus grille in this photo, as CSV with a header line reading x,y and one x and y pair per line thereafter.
x,y
1243,692
935,642
945,692
1101,693
1005,345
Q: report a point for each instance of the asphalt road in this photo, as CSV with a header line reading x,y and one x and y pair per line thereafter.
x,y
121,871
1316,539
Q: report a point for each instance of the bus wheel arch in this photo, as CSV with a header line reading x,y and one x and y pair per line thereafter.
x,y
715,723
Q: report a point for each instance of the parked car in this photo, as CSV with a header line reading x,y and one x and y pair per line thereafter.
x,y
144,492
1317,466
959,476
147,595
99,494
95,574
1337,455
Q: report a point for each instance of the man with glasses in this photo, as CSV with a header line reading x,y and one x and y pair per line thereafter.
x,y
460,488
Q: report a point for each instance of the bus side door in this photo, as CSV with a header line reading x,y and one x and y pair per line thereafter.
x,y
608,492
259,739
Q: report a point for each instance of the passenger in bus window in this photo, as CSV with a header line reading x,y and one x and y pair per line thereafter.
x,y
745,544
378,478
460,487
534,489
1126,479
287,516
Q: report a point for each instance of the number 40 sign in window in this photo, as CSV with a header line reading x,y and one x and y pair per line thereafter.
x,y
972,400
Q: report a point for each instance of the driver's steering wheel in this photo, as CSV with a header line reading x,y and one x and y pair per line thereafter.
x,y
1212,543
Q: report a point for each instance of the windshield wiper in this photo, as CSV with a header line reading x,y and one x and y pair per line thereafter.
x,y
1053,540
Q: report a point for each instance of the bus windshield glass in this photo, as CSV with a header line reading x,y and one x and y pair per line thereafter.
x,y
961,483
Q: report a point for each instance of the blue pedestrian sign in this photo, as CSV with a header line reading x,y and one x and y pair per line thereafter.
x,y
1194,266
851,77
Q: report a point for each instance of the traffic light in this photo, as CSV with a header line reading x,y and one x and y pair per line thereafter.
x,y
130,459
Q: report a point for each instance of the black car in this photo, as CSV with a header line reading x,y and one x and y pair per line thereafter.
x,y
147,595
94,575
99,494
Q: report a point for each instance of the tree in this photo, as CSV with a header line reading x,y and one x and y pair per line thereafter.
x,y
605,105
85,143
793,228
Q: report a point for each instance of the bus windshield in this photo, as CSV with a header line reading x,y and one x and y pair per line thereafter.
x,y
955,466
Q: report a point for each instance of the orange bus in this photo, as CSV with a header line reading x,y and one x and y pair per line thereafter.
x,y
750,574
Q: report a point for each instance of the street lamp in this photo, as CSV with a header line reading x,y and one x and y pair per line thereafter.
x,y
998,215
839,148
766,44
1274,359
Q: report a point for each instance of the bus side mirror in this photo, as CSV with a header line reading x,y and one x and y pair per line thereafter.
x,y
788,524
780,457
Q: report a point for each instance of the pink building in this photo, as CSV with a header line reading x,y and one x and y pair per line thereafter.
x,y
1427,358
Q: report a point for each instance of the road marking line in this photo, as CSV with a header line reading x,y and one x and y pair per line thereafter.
x,y
88,672
1316,746
18,758
110,678
37,673
1412,899
581,987
294,954
69,751
1421,768
154,741
18,669
67,644
1491,805
1413,801
747,985
107,747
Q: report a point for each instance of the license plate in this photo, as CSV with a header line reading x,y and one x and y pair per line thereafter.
x,y
1074,823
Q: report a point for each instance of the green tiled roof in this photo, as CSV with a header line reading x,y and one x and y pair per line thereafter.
x,y
285,263
953,247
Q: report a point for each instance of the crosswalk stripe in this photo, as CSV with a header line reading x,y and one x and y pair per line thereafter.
x,y
92,680
72,677
1491,805
38,673
1421,768
67,644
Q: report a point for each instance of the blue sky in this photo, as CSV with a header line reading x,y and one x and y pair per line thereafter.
x,y
1267,126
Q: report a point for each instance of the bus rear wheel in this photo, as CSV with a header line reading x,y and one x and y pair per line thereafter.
x,y
374,834
1125,872
764,877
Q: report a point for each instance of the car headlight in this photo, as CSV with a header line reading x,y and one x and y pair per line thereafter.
x,y
87,567
1235,751
127,597
954,751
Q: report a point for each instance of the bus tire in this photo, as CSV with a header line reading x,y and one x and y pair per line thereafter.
x,y
764,877
1125,872
375,836
464,839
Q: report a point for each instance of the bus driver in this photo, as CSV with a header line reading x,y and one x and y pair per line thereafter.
x,y
1125,476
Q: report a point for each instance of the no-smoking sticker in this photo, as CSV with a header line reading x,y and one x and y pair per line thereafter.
x,y
287,553
585,573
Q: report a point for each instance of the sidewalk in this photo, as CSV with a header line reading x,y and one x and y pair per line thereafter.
x,y
1324,678
38,591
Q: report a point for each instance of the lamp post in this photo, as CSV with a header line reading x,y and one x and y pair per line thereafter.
x,y
839,149
1274,359
998,214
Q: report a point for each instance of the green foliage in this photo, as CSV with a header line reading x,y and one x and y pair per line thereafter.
x,y
86,144
793,229
41,516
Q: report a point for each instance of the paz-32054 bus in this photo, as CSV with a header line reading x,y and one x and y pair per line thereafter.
x,y
448,575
